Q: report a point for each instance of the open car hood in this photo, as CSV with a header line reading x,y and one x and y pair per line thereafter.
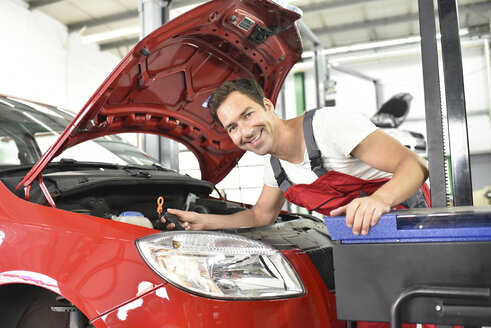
x,y
162,84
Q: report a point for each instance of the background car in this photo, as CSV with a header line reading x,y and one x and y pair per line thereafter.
x,y
28,129
392,114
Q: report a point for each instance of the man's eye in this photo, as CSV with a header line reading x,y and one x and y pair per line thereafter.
x,y
231,129
248,115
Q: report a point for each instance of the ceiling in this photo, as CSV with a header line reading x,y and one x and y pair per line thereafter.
x,y
335,23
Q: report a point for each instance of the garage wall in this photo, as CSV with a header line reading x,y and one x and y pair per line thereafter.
x,y
404,74
42,62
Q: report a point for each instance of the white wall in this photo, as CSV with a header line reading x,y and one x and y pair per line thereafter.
x,y
40,61
402,72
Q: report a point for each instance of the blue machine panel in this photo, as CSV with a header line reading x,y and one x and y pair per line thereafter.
x,y
420,225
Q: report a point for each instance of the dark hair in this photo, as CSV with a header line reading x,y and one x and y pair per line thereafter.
x,y
250,88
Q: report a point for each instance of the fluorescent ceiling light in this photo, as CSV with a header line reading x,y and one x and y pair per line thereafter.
x,y
380,44
371,45
127,31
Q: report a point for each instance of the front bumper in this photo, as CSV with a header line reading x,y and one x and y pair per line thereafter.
x,y
168,306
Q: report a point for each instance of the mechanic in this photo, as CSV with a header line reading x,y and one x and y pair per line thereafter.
x,y
361,173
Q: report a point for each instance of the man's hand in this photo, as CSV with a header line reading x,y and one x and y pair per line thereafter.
x,y
362,213
264,212
188,220
384,153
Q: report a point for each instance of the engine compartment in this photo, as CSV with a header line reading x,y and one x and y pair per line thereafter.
x,y
110,192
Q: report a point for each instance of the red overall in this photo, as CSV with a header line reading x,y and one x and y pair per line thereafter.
x,y
335,189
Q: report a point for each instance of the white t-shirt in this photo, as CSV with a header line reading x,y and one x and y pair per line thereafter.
x,y
337,132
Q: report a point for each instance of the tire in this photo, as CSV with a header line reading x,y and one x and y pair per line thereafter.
x,y
40,315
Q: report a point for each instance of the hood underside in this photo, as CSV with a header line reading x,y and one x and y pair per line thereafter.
x,y
161,85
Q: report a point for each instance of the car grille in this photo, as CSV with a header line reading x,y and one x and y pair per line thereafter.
x,y
323,261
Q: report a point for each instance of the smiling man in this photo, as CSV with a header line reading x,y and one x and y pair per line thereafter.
x,y
327,160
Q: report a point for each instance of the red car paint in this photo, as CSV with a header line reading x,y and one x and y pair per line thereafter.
x,y
168,306
94,263
86,259
162,83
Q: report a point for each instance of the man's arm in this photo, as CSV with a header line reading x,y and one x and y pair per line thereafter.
x,y
409,170
263,213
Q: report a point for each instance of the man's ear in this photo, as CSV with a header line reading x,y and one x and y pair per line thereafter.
x,y
268,104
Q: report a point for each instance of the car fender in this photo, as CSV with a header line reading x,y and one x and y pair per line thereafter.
x,y
92,262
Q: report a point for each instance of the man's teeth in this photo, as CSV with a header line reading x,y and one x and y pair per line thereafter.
x,y
257,137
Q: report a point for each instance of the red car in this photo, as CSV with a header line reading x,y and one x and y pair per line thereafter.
x,y
81,240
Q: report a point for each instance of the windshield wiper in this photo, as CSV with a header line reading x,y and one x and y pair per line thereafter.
x,y
68,163
160,167
11,168
73,162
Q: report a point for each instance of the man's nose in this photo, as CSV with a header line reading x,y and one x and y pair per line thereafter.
x,y
245,130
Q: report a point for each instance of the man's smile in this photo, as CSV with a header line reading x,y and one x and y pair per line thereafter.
x,y
256,138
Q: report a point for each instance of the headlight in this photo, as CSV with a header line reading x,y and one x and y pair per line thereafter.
x,y
220,265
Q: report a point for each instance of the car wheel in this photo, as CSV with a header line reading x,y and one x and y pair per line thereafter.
x,y
48,310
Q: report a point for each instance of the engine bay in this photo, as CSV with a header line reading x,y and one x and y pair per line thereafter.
x,y
113,193
127,194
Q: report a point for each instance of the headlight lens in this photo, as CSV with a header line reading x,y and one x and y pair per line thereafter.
x,y
220,265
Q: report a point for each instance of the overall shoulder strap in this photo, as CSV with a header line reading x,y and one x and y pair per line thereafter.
x,y
280,175
312,149
314,155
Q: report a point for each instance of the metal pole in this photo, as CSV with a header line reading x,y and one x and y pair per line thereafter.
x,y
379,87
455,99
433,292
320,75
319,64
154,13
433,111
488,71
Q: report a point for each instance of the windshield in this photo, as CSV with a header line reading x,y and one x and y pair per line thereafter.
x,y
28,129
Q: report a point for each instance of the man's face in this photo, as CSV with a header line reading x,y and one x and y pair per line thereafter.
x,y
249,125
